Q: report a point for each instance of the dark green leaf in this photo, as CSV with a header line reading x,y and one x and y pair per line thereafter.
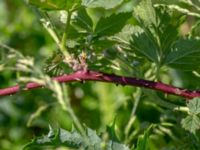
x,y
184,55
82,21
144,46
111,25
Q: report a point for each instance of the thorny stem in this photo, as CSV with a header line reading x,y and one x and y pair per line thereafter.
x,y
83,75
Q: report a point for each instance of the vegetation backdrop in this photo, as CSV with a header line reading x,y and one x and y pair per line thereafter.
x,y
154,40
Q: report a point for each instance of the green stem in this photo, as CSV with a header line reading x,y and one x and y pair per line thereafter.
x,y
65,103
76,121
65,34
49,27
132,117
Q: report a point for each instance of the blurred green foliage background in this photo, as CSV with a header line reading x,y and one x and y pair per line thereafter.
x,y
95,104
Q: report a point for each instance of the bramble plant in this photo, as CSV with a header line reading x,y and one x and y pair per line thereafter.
x,y
66,50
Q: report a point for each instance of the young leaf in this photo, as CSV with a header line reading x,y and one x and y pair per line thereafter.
x,y
194,106
191,123
101,3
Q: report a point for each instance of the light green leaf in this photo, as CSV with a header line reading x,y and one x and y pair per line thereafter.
x,y
145,13
116,146
94,139
194,106
101,3
111,25
191,123
184,55
126,34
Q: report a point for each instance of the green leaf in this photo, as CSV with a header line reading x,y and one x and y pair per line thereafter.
x,y
144,46
116,146
184,55
59,137
75,140
101,3
126,33
194,106
142,143
145,13
191,123
111,131
159,30
111,25
54,4
82,21
94,140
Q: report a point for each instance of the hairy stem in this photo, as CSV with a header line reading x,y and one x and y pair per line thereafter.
x,y
110,78
65,34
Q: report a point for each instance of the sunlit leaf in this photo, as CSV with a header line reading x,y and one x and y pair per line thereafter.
x,y
101,3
